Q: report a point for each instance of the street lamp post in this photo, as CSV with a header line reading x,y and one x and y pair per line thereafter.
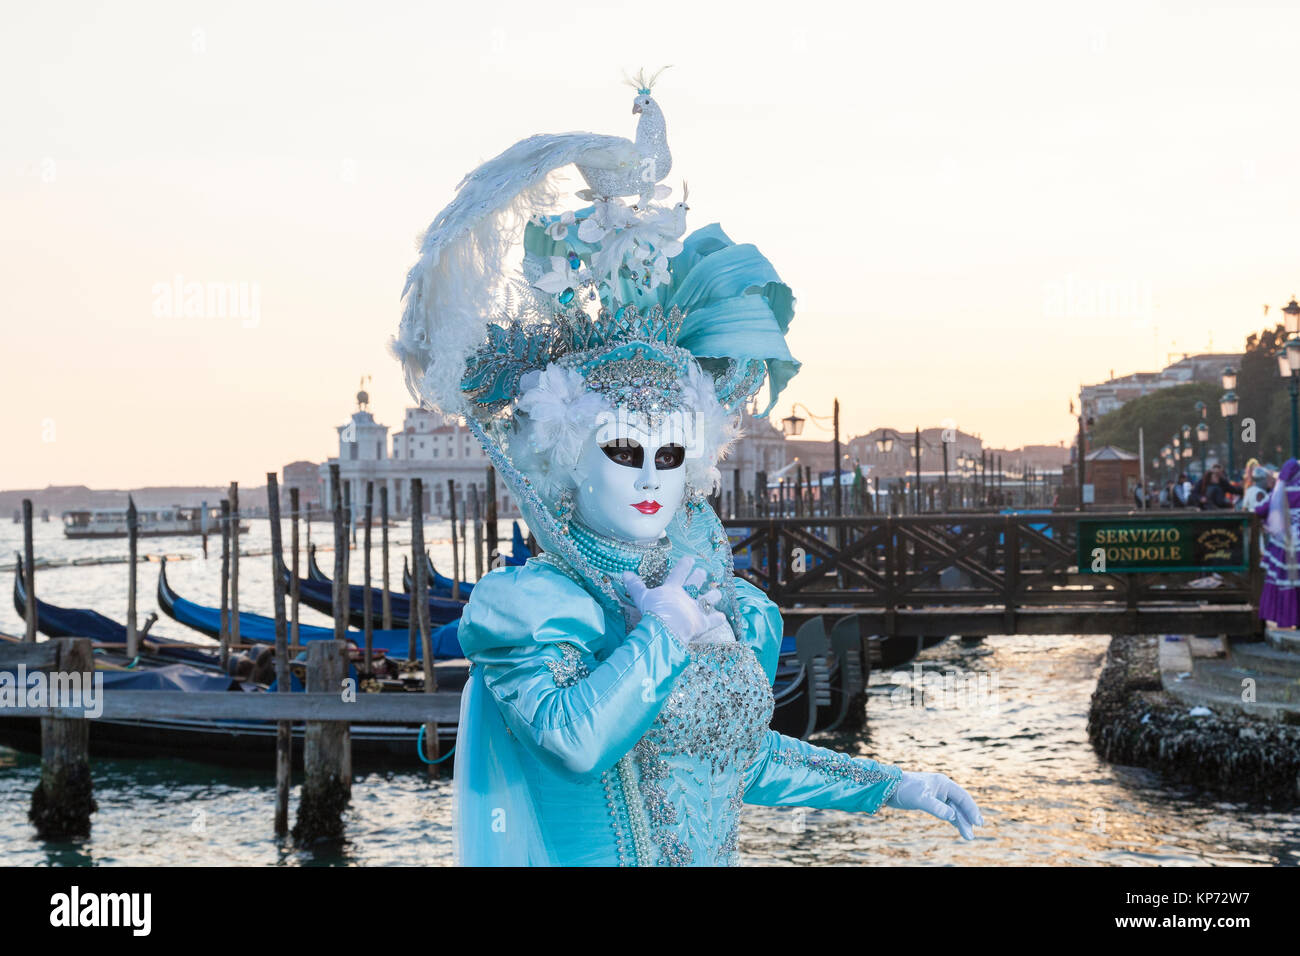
x,y
1228,409
1202,431
792,427
1288,365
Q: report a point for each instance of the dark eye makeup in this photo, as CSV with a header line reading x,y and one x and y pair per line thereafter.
x,y
629,453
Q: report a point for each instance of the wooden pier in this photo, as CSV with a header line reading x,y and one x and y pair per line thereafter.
x,y
984,574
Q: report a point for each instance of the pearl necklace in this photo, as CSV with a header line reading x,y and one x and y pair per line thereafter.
x,y
612,556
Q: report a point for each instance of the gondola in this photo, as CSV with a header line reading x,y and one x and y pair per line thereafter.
x,y
237,743
107,635
439,584
317,591
794,710
260,629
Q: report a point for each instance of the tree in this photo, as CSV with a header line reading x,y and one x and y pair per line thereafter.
x,y
1159,415
1263,400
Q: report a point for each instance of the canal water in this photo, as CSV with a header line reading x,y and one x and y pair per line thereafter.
x,y
1005,718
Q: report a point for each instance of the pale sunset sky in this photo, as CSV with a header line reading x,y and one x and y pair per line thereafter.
x,y
978,206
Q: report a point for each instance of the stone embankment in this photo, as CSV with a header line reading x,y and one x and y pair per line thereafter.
x,y
1224,715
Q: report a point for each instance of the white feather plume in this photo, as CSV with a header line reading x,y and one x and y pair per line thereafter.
x,y
450,292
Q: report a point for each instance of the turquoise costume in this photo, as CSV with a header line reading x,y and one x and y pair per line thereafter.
x,y
625,748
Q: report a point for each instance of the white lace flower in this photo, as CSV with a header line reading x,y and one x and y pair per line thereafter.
x,y
562,412
562,275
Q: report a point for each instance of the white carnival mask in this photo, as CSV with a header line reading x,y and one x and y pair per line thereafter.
x,y
631,481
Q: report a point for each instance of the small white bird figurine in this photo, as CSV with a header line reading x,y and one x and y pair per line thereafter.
x,y
654,161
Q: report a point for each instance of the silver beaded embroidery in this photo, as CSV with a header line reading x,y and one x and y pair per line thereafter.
x,y
713,723
839,767
569,669
642,385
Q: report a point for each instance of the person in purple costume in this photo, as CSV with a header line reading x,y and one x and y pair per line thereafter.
x,y
1281,513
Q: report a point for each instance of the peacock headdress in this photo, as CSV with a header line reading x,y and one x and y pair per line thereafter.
x,y
614,308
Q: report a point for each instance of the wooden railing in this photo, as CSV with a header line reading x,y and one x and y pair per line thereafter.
x,y
987,561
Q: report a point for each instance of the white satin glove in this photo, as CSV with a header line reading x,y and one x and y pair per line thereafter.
x,y
689,618
937,795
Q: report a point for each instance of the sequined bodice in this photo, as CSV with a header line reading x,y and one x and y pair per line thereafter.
x,y
684,779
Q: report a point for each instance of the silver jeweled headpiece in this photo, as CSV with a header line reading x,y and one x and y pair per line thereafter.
x,y
628,357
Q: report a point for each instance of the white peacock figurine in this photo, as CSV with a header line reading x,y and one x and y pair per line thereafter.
x,y
473,235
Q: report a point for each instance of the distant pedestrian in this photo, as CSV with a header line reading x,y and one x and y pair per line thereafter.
x,y
1255,488
1217,491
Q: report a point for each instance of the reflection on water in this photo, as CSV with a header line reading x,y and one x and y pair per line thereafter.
x,y
1045,796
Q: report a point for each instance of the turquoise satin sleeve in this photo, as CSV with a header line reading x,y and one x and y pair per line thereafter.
x,y
536,634
762,622
794,773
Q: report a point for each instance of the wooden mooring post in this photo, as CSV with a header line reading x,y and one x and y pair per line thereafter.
x,y
455,555
387,609
29,573
234,568
420,614
132,537
490,496
340,591
283,728
417,522
223,634
367,614
464,538
63,799
478,534
293,577
327,751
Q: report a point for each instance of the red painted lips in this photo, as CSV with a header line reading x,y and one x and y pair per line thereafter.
x,y
647,507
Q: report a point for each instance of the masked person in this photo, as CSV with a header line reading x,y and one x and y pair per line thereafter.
x,y
619,699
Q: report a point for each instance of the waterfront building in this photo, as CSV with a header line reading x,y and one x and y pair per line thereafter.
x,y
1097,400
305,476
424,447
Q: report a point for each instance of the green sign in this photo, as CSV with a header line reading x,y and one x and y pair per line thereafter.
x,y
1119,545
